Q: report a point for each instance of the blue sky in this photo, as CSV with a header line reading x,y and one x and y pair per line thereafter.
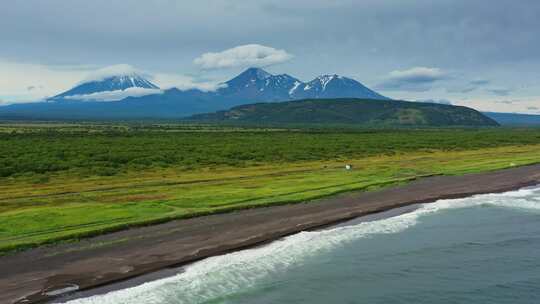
x,y
478,53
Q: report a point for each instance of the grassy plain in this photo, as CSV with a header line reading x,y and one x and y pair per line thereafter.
x,y
63,182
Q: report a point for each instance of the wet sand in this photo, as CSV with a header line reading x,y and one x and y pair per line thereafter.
x,y
41,274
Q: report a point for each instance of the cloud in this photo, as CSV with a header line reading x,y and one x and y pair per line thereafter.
x,y
492,104
461,89
165,80
533,108
414,79
23,82
468,87
508,102
437,101
500,91
183,82
34,88
249,55
26,82
203,86
111,71
480,38
115,95
479,82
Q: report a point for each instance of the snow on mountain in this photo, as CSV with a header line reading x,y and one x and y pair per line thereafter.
x,y
111,71
335,86
295,86
110,84
258,85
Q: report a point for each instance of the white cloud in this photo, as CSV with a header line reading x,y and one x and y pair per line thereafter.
x,y
16,78
111,71
480,81
414,79
499,91
252,55
115,95
27,82
437,101
203,86
493,104
182,82
418,74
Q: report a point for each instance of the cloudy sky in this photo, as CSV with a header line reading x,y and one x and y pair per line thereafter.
x,y
479,53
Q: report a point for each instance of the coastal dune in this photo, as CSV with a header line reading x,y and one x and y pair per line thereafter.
x,y
41,274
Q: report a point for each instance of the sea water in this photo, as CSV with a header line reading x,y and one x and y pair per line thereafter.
x,y
481,249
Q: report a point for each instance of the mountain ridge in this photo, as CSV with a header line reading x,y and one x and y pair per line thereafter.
x,y
253,85
259,85
129,95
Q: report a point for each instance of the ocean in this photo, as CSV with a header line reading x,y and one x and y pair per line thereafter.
x,y
481,249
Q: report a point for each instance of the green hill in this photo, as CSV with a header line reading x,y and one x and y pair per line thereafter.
x,y
362,112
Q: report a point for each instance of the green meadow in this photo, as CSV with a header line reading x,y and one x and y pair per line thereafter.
x,y
62,182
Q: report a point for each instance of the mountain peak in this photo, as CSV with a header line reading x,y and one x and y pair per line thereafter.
x,y
334,86
123,82
256,73
118,78
117,70
325,79
255,84
325,76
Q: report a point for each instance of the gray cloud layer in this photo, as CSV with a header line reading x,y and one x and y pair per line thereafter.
x,y
457,32
414,79
499,91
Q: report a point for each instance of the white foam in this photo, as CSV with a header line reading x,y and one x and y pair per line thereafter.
x,y
222,275
67,289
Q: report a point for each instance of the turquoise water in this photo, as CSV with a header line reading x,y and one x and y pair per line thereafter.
x,y
483,249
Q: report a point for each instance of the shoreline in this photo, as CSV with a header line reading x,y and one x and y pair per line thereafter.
x,y
41,274
169,272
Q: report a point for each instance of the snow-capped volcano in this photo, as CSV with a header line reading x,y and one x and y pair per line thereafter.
x,y
258,85
334,86
109,84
